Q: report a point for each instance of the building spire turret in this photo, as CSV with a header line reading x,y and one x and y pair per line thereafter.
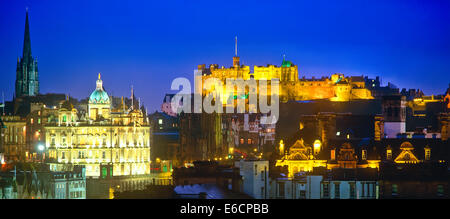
x,y
26,41
27,76
236,62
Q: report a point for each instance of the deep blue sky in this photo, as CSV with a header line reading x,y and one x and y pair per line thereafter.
x,y
149,43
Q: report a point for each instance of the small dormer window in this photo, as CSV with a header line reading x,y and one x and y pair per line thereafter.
x,y
427,153
364,154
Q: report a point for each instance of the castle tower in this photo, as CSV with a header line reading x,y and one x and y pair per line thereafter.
x,y
27,80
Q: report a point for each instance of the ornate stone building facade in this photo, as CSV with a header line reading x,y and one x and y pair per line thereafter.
x,y
13,139
109,142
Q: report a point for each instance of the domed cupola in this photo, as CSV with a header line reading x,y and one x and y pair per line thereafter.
x,y
286,63
99,96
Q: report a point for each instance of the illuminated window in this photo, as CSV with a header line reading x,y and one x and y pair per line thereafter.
x,y
317,145
333,154
64,118
160,121
242,141
104,172
427,153
364,154
389,154
249,141
31,120
39,120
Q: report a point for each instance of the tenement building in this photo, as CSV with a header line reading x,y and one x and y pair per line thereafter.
x,y
13,138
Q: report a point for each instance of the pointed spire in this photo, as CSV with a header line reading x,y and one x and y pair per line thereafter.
x,y
27,41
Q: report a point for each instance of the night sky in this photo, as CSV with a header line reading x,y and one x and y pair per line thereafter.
x,y
148,44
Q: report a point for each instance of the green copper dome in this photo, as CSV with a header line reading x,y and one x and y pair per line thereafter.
x,y
99,95
286,63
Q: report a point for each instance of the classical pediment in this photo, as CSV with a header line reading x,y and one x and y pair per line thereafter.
x,y
407,155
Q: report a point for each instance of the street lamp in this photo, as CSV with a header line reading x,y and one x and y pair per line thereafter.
x,y
41,147
41,150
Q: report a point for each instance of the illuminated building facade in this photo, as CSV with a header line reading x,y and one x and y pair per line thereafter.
x,y
13,144
301,158
334,88
353,154
109,142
